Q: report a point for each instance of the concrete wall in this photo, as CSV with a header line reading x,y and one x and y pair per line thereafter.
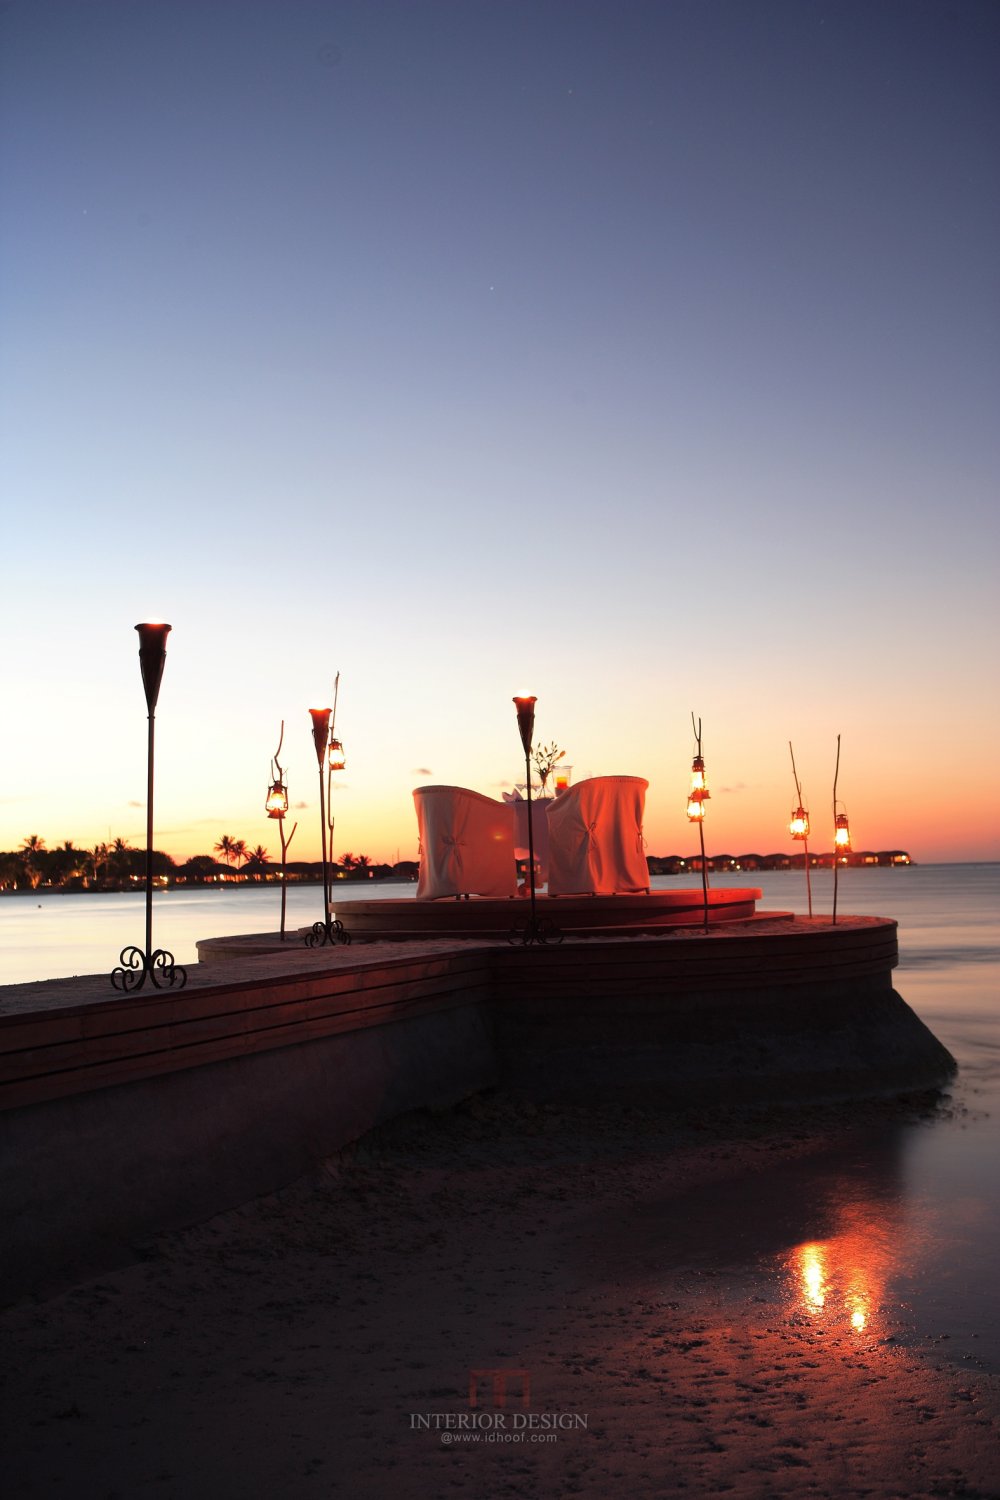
x,y
84,1179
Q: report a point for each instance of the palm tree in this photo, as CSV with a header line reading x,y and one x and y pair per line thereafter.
x,y
98,860
256,860
239,851
347,861
226,847
70,862
119,859
31,847
362,862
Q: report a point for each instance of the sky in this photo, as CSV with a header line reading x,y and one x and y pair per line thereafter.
x,y
640,356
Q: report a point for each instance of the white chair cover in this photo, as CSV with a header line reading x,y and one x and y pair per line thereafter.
x,y
466,844
595,838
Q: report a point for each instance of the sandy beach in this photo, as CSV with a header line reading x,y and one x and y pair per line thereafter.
x,y
344,1337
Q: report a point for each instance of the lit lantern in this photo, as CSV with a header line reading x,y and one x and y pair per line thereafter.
x,y
336,756
699,793
277,799
799,826
842,834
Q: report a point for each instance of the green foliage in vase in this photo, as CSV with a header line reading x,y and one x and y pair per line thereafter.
x,y
545,757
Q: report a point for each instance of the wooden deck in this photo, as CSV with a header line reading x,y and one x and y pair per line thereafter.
x,y
74,1036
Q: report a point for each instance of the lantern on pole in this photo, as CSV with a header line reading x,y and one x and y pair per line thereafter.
x,y
841,834
698,795
276,804
335,761
799,827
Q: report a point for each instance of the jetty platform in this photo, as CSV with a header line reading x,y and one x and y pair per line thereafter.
x,y
125,1115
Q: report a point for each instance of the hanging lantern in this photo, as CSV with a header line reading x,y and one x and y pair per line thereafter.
x,y
699,793
336,759
842,834
799,826
277,800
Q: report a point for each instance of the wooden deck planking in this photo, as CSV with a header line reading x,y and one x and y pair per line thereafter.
x,y
280,1001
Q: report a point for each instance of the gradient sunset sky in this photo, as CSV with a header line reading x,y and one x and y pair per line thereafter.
x,y
641,356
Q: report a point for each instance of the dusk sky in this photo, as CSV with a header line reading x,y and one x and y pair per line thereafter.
x,y
640,356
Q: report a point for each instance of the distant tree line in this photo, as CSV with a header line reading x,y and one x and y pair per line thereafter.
x,y
722,864
117,866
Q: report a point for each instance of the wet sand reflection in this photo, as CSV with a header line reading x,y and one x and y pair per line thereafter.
x,y
832,1237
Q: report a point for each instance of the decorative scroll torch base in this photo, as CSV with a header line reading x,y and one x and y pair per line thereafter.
x,y
135,967
323,933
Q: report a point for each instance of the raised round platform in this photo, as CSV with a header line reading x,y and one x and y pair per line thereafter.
x,y
580,916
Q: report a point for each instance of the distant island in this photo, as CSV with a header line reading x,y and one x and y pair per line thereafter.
x,y
119,867
721,864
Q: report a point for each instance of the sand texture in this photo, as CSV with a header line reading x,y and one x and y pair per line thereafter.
x,y
295,1346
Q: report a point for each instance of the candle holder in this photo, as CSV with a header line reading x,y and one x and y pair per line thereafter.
x,y
329,930
136,965
535,929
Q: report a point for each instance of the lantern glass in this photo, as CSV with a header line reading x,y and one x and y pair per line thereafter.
x,y
699,793
277,800
799,826
337,761
842,833
699,786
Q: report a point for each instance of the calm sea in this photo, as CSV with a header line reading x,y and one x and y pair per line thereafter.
x,y
890,1234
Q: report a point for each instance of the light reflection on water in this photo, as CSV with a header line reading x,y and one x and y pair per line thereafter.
x,y
826,1289
841,1283
911,1262
869,1240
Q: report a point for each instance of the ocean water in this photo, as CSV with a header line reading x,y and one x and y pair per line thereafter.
x,y
46,935
887,1236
